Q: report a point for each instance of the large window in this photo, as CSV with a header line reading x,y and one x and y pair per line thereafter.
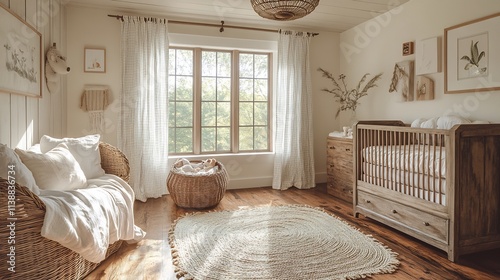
x,y
219,101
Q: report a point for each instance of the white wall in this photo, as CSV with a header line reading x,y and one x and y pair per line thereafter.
x,y
25,119
244,170
375,46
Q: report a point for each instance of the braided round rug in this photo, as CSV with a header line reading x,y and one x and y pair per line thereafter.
x,y
275,242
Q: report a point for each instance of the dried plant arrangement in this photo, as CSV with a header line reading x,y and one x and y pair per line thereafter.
x,y
348,98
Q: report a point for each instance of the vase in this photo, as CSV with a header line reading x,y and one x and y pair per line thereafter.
x,y
348,121
353,119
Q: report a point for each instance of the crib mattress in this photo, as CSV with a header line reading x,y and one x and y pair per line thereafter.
x,y
418,159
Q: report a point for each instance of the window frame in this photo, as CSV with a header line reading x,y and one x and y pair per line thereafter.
x,y
234,102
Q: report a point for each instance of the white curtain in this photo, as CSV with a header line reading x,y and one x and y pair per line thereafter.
x,y
143,126
294,159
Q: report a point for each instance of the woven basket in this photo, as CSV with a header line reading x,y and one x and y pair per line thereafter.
x,y
197,191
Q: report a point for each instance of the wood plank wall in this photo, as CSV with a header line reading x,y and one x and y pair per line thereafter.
x,y
23,120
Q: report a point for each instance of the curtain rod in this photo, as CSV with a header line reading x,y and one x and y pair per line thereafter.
x,y
222,26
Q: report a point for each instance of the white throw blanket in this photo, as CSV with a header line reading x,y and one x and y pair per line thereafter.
x,y
88,220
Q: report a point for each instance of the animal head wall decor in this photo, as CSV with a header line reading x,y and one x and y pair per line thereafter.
x,y
55,65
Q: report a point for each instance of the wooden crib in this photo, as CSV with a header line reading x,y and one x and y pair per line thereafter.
x,y
439,186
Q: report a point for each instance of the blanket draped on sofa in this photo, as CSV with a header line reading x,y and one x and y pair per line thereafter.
x,y
88,220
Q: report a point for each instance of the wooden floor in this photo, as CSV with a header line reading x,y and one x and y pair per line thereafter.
x,y
150,258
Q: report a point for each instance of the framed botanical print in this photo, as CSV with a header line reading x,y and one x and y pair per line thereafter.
x,y
472,56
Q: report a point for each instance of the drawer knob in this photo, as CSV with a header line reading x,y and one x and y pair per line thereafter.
x,y
426,224
332,147
394,211
347,150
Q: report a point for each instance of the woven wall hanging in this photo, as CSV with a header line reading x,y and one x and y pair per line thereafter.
x,y
94,100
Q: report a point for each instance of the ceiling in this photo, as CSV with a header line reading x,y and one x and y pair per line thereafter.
x,y
330,15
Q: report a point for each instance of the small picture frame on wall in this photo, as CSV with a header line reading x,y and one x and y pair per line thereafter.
x,y
408,48
428,56
95,60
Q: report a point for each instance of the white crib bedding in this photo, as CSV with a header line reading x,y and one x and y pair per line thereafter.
x,y
423,159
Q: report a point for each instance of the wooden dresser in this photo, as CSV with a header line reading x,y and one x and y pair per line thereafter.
x,y
339,167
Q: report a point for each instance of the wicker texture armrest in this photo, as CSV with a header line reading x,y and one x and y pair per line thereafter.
x,y
113,161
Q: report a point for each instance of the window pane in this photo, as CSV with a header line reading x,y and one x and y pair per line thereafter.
x,y
246,138
261,66
184,114
184,140
223,139
246,113
171,114
207,139
246,90
223,64
260,116
261,90
260,138
246,65
171,88
223,114
184,88
209,64
223,89
208,88
208,113
184,62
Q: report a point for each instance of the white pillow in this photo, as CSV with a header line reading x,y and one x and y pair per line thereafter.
x,y
447,122
431,123
22,175
84,149
55,170
418,122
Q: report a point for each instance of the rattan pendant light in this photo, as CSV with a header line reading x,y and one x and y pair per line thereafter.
x,y
284,9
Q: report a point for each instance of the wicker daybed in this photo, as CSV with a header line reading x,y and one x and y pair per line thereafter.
x,y
36,256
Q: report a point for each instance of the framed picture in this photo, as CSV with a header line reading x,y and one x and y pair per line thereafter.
x,y
428,56
20,55
402,80
95,60
472,56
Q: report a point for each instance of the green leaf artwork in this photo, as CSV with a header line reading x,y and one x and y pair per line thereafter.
x,y
474,58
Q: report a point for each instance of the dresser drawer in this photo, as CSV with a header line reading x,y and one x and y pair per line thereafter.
x,y
340,188
430,225
341,149
339,167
